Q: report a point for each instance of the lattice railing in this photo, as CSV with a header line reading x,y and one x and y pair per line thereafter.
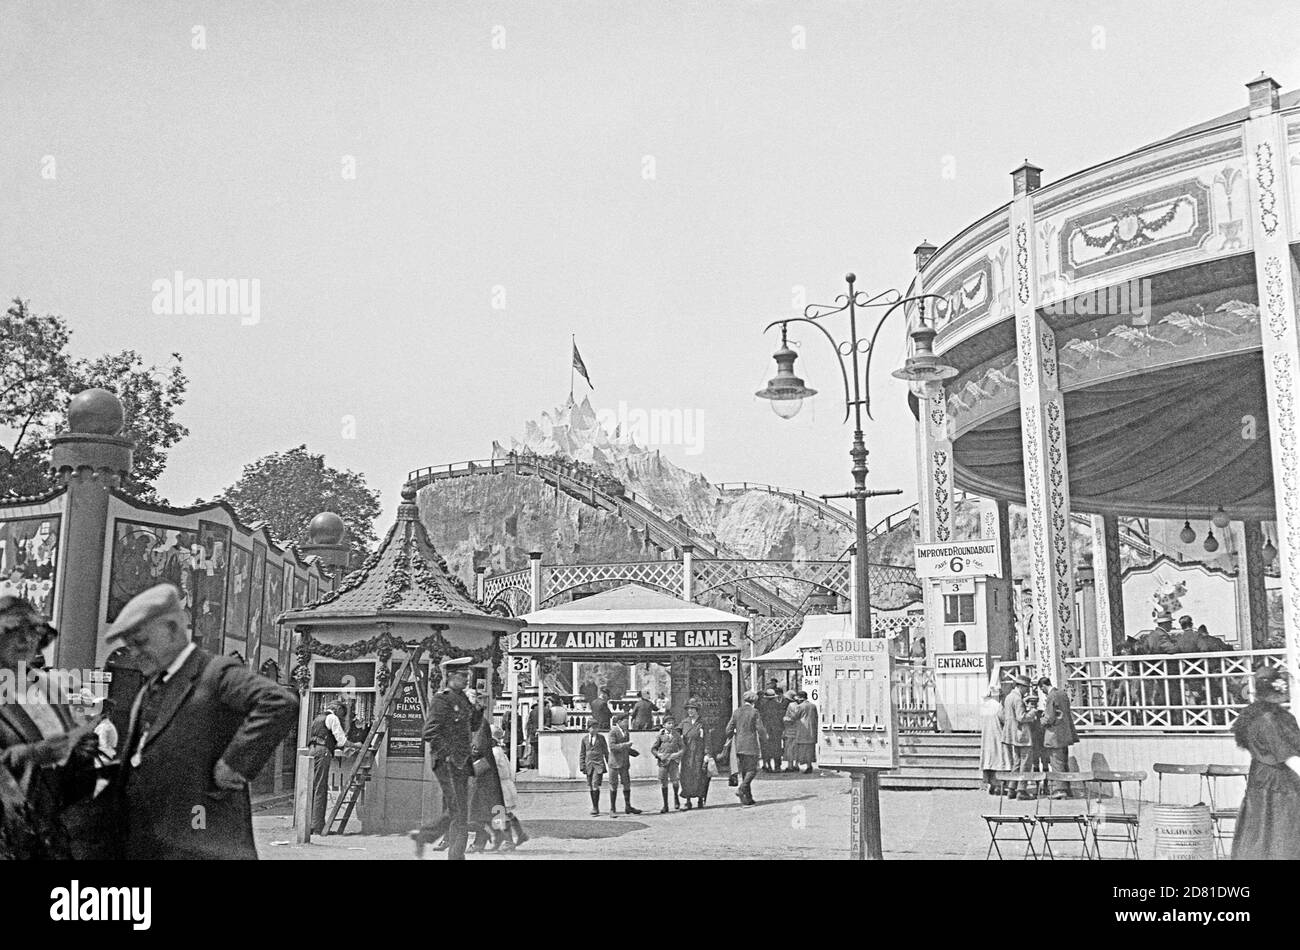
x,y
1189,692
558,579
495,584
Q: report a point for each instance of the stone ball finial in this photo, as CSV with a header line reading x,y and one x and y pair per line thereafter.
x,y
326,528
96,412
408,492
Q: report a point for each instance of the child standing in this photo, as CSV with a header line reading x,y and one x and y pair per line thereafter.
x,y
667,751
593,757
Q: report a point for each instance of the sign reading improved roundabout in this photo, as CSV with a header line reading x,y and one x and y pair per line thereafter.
x,y
960,559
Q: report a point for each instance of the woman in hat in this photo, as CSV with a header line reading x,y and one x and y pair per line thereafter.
x,y
43,769
486,800
1268,824
695,746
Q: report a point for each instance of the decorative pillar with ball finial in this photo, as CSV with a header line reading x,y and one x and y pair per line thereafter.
x,y
326,540
90,459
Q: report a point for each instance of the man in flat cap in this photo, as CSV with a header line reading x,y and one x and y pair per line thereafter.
x,y
1018,737
453,720
201,728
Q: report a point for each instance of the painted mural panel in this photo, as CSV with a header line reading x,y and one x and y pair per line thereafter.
x,y
213,564
299,591
257,603
145,555
29,550
237,602
272,605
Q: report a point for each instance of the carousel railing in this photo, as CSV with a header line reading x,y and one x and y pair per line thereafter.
x,y
1186,692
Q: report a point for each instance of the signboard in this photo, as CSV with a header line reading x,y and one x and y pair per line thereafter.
x,y
961,663
810,665
406,726
859,722
959,585
974,558
588,642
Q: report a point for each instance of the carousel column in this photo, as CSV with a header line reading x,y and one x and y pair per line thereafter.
x,y
995,522
1275,276
1256,595
935,495
1042,425
1108,590
90,460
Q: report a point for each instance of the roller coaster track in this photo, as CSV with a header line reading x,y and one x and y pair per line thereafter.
x,y
1128,534
613,497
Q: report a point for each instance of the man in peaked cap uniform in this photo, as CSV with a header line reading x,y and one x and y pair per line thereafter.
x,y
200,729
453,720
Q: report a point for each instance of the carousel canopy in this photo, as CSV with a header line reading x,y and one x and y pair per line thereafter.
x,y
815,629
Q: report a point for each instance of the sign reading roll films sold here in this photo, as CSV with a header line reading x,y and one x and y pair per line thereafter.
x,y
980,557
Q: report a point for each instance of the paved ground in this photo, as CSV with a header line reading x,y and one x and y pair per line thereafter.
x,y
797,817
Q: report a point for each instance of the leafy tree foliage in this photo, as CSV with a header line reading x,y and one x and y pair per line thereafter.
x,y
38,378
288,489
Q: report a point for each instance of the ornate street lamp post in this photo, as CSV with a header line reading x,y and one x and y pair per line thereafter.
x,y
787,393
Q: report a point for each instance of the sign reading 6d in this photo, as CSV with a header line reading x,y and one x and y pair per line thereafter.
x,y
979,557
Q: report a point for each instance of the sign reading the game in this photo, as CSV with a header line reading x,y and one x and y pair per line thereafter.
x,y
859,721
961,662
587,642
979,557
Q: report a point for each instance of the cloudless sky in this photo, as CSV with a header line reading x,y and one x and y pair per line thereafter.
x,y
482,170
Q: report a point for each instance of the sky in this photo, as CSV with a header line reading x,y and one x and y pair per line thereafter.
x,y
432,197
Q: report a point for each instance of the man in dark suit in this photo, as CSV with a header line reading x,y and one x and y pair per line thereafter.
x,y
453,720
200,729
747,732
600,711
1058,732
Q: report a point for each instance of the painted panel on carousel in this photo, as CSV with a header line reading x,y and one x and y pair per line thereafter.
x,y
145,555
976,287
29,549
212,563
1206,594
257,604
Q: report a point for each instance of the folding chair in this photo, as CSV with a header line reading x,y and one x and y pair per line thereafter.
x,y
1212,775
1169,768
1127,817
1079,820
1022,821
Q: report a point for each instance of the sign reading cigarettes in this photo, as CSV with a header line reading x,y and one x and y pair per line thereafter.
x,y
957,559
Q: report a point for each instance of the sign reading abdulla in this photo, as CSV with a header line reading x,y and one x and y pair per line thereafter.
x,y
587,642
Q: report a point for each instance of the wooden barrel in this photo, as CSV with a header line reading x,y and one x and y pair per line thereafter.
x,y
1183,832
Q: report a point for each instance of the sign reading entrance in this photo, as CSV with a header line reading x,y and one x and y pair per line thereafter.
x,y
961,662
553,642
960,559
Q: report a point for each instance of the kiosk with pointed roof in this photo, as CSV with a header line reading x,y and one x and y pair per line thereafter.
x,y
350,642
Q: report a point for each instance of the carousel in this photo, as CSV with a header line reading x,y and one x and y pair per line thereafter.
x,y
1127,353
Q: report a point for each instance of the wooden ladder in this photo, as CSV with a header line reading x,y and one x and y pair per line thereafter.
x,y
358,773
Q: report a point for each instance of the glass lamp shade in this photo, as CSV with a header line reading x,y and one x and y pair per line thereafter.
x,y
1211,542
1188,534
1220,518
786,390
787,408
923,366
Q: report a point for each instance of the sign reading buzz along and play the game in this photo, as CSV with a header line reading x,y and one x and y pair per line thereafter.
x,y
559,642
977,557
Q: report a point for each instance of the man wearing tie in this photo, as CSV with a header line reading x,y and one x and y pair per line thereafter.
x,y
200,729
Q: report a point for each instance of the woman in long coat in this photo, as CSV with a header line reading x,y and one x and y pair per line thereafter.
x,y
486,803
1268,824
993,750
694,771
790,733
40,762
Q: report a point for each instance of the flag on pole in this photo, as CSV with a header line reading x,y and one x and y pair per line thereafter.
x,y
580,366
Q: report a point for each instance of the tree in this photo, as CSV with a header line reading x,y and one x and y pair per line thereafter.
x,y
38,378
288,489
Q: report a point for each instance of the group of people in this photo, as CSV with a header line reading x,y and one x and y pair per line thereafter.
x,y
472,770
681,753
176,787
790,722
1029,729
